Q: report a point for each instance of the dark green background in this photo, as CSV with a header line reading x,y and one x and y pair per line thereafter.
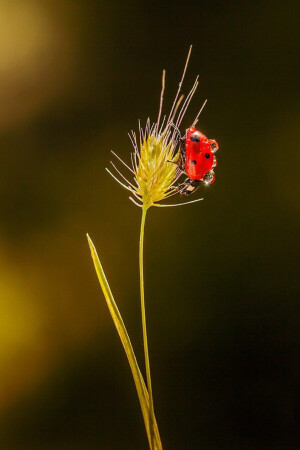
x,y
221,275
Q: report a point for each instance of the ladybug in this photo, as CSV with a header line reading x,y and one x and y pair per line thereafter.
x,y
197,160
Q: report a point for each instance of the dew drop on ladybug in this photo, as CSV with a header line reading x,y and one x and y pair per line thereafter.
x,y
209,177
214,145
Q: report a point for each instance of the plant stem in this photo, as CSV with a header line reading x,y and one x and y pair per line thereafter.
x,y
144,325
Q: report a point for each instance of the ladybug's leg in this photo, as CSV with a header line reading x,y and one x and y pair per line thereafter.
x,y
176,129
188,187
183,186
180,162
181,159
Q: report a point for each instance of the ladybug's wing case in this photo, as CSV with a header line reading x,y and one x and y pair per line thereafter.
x,y
198,158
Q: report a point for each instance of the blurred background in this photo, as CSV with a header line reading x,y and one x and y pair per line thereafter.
x,y
221,275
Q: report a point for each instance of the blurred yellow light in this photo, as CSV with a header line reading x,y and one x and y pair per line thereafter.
x,y
36,59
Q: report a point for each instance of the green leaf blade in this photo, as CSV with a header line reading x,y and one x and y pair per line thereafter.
x,y
120,326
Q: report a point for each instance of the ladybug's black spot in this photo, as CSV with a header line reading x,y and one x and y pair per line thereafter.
x,y
195,138
207,155
194,162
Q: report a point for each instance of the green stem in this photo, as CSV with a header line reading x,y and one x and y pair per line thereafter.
x,y
144,325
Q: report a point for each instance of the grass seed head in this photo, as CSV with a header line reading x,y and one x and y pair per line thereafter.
x,y
153,161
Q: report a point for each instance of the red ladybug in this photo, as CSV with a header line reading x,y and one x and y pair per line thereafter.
x,y
197,160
